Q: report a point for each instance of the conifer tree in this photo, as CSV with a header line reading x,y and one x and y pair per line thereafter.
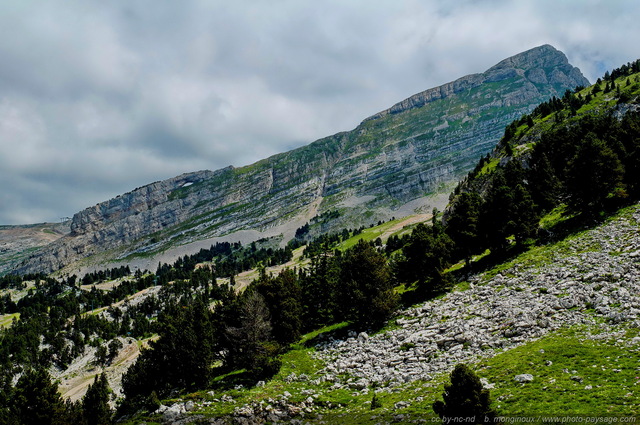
x,y
462,225
524,216
95,403
249,341
36,400
427,254
593,173
545,186
180,358
283,296
465,399
496,213
320,290
367,295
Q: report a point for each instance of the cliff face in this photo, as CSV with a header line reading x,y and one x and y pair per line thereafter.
x,y
389,165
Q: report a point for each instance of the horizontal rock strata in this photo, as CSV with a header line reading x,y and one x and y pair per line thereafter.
x,y
408,153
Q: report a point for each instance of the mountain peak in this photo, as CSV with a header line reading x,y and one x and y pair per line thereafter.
x,y
540,66
545,56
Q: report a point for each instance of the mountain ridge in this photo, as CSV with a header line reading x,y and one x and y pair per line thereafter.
x,y
502,70
401,157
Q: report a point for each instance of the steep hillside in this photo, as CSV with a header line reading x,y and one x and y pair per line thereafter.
x,y
575,155
393,164
18,242
553,333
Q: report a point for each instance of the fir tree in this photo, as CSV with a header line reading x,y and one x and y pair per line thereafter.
x,y
367,295
545,186
465,399
95,403
462,225
427,253
593,173
496,214
37,401
283,296
249,341
524,216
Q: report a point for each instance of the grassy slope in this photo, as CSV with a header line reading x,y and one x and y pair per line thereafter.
x,y
588,371
397,227
600,101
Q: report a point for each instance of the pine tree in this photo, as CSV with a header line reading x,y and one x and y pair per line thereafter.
x,y
427,253
524,216
593,173
465,399
37,401
95,403
495,218
462,225
529,121
367,295
320,290
545,186
249,340
180,358
283,296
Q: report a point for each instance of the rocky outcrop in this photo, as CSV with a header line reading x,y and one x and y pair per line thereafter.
x,y
388,166
596,282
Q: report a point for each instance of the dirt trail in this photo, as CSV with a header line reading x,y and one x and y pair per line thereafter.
x,y
81,373
407,221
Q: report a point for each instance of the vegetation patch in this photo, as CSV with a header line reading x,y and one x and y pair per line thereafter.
x,y
576,371
6,320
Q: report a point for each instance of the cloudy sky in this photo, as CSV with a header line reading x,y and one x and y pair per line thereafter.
x,y
100,97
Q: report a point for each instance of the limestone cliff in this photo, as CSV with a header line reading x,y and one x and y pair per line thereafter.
x,y
391,164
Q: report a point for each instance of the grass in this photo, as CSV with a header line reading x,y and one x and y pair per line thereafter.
x,y
372,233
309,338
555,217
573,375
490,166
6,320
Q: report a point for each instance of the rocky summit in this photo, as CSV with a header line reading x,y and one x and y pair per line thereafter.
x,y
398,162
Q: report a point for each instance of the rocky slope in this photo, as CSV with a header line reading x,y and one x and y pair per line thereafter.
x,y
393,164
18,242
592,279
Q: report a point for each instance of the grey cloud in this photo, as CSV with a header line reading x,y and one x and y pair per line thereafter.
x,y
97,98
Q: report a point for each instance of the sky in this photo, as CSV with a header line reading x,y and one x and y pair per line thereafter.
x,y
100,97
